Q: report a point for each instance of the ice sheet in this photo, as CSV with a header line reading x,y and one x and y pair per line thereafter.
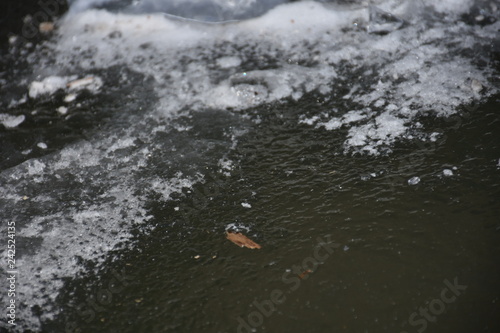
x,y
84,200
10,121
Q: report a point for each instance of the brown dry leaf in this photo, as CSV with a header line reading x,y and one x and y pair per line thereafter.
x,y
241,240
304,274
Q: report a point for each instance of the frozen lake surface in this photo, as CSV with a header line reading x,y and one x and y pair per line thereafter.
x,y
132,139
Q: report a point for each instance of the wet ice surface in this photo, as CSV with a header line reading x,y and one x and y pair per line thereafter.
x,y
83,201
204,87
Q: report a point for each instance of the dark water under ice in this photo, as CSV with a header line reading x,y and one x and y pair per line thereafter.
x,y
395,244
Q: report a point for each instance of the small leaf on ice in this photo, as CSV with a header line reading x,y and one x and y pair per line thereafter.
x,y
241,240
304,275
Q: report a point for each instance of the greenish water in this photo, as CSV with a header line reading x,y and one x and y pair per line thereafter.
x,y
396,248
